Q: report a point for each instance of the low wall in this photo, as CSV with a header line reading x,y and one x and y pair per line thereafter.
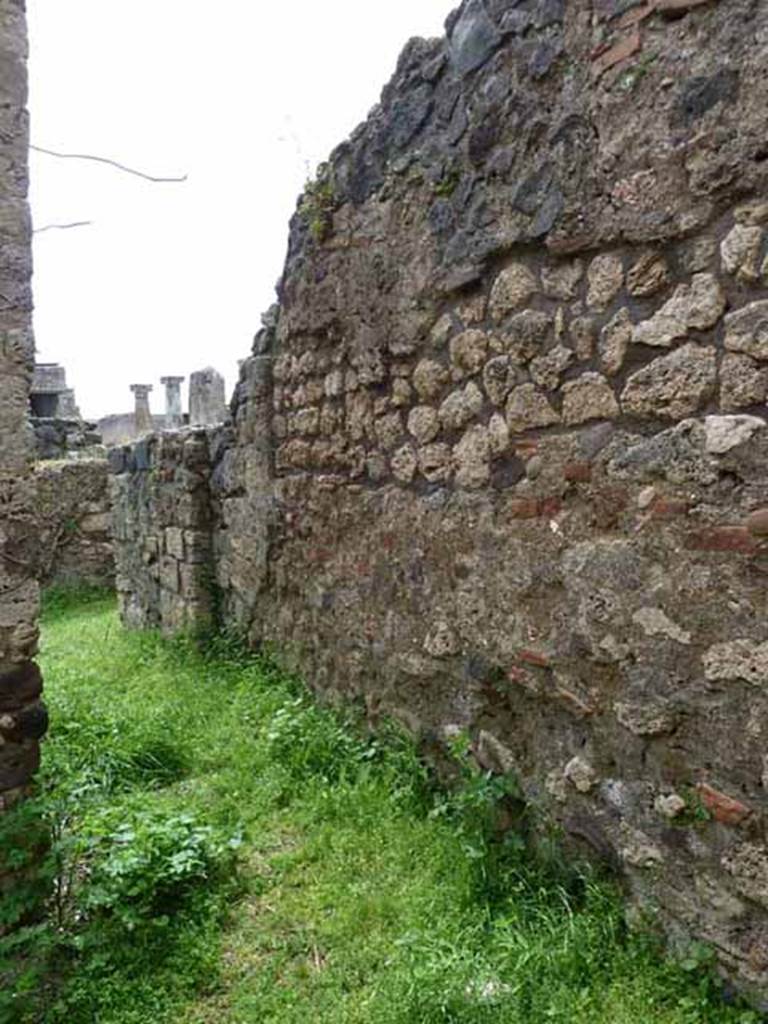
x,y
62,439
74,523
162,510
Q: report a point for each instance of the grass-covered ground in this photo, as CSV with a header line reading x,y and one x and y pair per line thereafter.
x,y
225,851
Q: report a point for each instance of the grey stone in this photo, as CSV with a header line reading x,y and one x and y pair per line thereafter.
x,y
461,406
672,386
561,280
701,93
746,330
677,455
654,622
429,379
583,331
647,718
547,369
605,277
527,407
527,334
614,342
726,432
442,641
472,458
670,805
698,305
747,863
435,462
499,377
589,397
648,275
638,850
737,660
473,39
740,252
468,352
511,290
424,423
498,435
580,774
743,382
404,464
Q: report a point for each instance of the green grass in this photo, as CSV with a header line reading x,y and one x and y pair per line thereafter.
x,y
228,851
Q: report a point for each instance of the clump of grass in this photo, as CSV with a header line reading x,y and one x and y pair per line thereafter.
x,y
223,849
318,203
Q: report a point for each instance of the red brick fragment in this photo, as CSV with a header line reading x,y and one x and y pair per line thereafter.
x,y
668,508
724,809
722,538
533,658
524,508
625,47
534,508
578,472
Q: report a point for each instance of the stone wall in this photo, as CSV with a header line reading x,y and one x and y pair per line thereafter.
x,y
22,717
162,510
74,523
498,460
120,428
58,438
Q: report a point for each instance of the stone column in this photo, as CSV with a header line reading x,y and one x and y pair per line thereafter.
x,y
173,415
142,417
207,398
22,716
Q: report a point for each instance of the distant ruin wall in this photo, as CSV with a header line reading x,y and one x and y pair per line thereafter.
x,y
162,509
73,515
57,438
22,717
499,461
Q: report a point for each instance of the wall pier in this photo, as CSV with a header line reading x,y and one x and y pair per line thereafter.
x,y
23,718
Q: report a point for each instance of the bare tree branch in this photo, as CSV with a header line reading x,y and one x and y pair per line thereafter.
x,y
105,160
62,227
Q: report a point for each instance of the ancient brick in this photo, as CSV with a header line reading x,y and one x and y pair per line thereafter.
x,y
668,508
722,538
537,658
725,809
578,472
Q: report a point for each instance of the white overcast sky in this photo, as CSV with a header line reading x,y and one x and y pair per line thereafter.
x,y
243,96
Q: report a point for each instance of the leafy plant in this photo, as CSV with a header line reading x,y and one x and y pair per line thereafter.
x,y
317,206
144,865
447,184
